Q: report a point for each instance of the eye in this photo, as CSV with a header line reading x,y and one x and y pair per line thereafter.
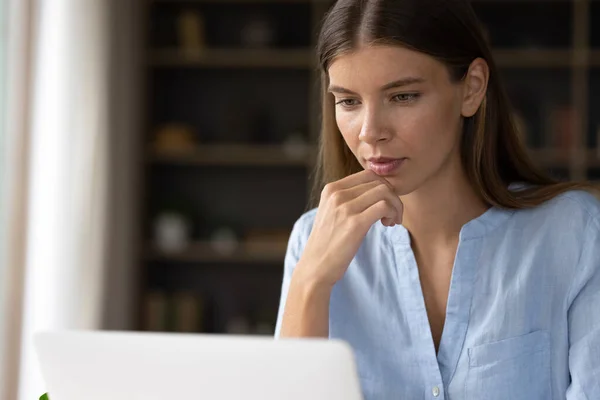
x,y
406,97
347,103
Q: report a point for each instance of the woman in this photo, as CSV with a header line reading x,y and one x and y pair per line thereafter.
x,y
453,267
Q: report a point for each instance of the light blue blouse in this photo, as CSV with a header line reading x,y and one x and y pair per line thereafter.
x,y
523,313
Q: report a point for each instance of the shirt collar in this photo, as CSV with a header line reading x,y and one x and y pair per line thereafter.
x,y
480,226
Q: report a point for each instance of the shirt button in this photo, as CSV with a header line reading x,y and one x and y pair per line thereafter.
x,y
435,391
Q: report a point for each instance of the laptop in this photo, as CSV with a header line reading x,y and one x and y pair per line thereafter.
x,y
101,365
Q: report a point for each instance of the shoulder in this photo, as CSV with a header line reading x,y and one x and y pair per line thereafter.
x,y
303,226
305,222
580,201
572,210
299,236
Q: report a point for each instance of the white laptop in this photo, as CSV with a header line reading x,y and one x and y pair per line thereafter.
x,y
95,365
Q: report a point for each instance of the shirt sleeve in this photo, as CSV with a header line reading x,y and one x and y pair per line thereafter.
x,y
295,246
584,320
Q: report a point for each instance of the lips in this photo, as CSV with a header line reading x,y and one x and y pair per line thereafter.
x,y
384,166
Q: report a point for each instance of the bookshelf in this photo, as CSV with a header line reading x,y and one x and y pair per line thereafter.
x,y
231,125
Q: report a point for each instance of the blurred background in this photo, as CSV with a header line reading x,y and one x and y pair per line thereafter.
x,y
155,153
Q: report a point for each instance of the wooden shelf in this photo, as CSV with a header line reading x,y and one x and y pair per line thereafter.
x,y
203,252
232,155
523,58
516,58
234,58
562,159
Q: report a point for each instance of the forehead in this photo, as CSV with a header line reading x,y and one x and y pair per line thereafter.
x,y
379,65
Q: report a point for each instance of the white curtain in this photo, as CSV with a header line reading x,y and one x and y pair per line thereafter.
x,y
18,41
58,181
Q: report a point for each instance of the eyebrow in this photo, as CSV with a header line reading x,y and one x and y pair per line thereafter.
x,y
392,85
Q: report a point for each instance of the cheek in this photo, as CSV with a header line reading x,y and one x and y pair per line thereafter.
x,y
349,126
429,126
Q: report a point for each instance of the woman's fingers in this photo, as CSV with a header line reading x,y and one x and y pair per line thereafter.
x,y
373,195
351,181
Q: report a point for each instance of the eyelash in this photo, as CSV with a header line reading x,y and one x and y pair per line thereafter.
x,y
412,98
344,103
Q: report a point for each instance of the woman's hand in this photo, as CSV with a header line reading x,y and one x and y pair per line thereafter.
x,y
347,210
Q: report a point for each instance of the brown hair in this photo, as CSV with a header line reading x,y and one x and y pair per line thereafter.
x,y
492,152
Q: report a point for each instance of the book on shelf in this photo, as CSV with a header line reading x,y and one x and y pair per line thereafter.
x,y
176,312
562,120
188,310
155,312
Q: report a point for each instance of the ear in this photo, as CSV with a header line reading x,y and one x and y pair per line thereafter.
x,y
475,81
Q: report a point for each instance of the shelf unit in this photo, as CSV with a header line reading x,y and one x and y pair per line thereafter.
x,y
211,88
183,85
236,155
204,252
232,58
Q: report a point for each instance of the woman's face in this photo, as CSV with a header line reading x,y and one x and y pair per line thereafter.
x,y
400,113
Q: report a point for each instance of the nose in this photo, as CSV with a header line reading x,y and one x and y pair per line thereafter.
x,y
373,128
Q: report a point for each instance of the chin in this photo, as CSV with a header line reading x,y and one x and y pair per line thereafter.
x,y
401,186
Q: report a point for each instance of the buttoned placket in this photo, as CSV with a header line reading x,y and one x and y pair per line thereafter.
x,y
439,368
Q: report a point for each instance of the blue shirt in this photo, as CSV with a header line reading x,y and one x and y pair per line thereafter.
x,y
523,312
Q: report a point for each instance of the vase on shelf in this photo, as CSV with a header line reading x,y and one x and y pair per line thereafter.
x,y
175,138
172,232
257,32
224,241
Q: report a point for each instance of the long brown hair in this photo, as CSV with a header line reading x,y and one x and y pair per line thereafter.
x,y
493,154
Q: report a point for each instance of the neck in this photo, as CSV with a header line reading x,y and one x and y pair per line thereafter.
x,y
435,213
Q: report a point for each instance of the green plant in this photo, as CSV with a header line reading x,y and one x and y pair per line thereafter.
x,y
45,397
